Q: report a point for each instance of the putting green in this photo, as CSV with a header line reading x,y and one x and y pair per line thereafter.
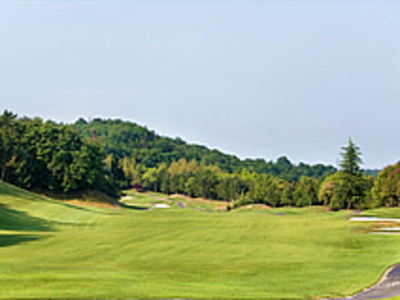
x,y
49,249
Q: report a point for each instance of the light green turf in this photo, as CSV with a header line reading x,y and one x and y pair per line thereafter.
x,y
383,212
53,250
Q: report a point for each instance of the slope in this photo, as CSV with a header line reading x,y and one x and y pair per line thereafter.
x,y
183,252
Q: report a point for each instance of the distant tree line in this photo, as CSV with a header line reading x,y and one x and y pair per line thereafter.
x,y
127,139
114,155
210,182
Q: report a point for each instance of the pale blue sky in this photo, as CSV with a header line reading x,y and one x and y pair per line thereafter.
x,y
251,78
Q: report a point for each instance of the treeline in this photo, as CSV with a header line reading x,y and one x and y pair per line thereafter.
x,y
198,180
113,155
349,188
210,182
39,155
127,139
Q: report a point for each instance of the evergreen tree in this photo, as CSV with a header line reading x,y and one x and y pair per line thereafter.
x,y
351,159
350,190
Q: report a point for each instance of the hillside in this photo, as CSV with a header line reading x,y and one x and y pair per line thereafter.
x,y
25,216
44,211
127,139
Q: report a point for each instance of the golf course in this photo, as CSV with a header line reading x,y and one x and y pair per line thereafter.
x,y
187,150
186,249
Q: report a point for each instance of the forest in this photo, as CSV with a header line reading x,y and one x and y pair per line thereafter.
x,y
127,139
114,155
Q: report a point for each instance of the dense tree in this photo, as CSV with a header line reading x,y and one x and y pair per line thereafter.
x,y
117,175
287,198
327,190
8,141
306,192
351,159
351,187
131,171
111,155
48,156
230,187
126,139
347,188
150,179
386,189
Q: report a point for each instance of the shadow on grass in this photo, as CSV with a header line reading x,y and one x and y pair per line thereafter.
x,y
20,221
134,207
15,239
15,220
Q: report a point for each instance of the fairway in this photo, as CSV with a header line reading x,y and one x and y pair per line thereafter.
x,y
50,249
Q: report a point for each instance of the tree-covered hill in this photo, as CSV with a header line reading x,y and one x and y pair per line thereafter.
x,y
127,139
113,155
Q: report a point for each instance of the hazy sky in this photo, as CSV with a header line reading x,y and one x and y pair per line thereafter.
x,y
251,78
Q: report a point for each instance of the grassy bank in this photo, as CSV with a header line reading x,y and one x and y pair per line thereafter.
x,y
53,249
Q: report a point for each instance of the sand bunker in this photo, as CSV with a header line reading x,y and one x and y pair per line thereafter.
x,y
381,226
161,205
390,228
373,219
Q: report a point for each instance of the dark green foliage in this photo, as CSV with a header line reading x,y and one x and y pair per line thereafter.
x,y
351,159
287,198
8,141
126,139
386,189
351,188
117,174
48,156
348,188
230,187
111,155
306,192
171,166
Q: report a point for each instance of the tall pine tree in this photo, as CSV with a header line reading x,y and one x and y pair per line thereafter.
x,y
350,189
351,159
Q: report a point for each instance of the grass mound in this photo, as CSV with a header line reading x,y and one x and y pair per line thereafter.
x,y
25,211
89,197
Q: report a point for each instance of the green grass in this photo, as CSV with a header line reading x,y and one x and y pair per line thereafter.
x,y
50,249
393,212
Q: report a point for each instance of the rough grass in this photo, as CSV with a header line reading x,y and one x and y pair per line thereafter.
x,y
50,249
